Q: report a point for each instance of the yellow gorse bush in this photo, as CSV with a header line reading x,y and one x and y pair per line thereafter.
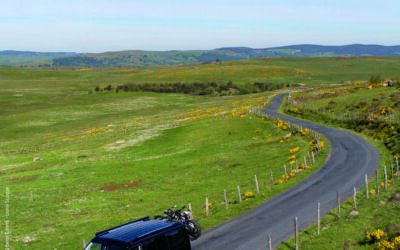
x,y
388,244
304,132
383,245
199,114
284,178
396,241
388,182
294,150
281,124
249,195
375,235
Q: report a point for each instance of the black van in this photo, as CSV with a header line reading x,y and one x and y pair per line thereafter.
x,y
142,234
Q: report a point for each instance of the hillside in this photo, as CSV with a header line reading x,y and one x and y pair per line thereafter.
x,y
135,58
30,58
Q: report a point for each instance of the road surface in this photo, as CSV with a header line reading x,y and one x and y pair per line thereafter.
x,y
351,157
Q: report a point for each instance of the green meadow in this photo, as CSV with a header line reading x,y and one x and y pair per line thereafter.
x,y
73,163
372,111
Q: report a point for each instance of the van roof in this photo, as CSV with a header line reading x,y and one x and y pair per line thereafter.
x,y
127,234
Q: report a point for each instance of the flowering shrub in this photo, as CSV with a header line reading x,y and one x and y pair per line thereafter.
x,y
304,131
281,124
396,241
388,182
388,244
384,245
249,195
284,178
375,236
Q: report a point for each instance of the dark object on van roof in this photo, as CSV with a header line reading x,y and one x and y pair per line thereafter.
x,y
143,233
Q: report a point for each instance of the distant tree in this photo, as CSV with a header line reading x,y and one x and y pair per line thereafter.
x,y
375,79
108,88
331,106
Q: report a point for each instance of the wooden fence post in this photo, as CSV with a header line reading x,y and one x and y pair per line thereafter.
x,y
269,242
355,198
207,207
257,188
366,186
286,177
385,177
313,158
391,170
190,209
318,217
226,200
377,181
305,162
338,202
296,234
239,194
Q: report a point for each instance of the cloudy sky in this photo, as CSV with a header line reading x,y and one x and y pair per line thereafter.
x,y
112,25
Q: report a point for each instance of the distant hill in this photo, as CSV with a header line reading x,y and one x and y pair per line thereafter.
x,y
30,58
136,58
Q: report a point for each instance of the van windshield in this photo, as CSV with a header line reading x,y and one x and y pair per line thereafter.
x,y
97,246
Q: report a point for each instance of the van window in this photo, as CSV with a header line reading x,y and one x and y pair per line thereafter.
x,y
97,246
158,243
149,244
177,239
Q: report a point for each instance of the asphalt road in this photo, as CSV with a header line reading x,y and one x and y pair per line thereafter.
x,y
351,157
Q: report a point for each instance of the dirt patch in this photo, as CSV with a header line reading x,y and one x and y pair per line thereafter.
x,y
141,136
112,187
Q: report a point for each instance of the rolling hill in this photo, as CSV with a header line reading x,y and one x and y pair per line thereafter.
x,y
135,58
30,58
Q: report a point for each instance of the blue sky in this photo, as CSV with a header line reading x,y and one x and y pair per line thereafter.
x,y
113,25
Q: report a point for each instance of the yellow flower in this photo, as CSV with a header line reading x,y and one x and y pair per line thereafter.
x,y
375,236
396,241
304,131
383,245
248,195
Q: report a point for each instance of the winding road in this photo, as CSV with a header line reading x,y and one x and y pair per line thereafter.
x,y
351,157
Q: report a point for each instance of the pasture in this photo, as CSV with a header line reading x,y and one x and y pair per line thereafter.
x,y
73,163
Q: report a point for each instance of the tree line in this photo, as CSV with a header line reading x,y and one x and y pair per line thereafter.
x,y
196,88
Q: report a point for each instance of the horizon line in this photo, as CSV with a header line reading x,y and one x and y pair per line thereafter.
x,y
226,47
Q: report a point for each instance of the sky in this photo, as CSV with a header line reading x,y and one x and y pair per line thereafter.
x,y
115,25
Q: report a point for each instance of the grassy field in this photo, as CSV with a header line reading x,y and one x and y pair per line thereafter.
x,y
74,163
277,70
379,213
